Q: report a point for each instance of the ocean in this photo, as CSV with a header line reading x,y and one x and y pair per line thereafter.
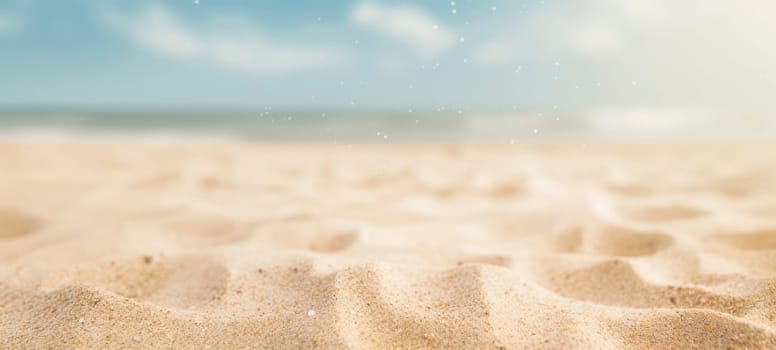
x,y
266,125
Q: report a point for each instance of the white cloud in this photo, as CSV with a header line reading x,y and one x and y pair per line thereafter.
x,y
236,43
601,29
591,28
715,51
404,23
8,23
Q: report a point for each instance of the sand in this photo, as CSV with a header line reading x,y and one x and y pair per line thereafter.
x,y
387,246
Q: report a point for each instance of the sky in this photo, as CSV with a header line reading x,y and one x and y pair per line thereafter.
x,y
463,54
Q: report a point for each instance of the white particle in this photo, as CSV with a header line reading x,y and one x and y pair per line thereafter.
x,y
452,3
319,19
453,11
557,63
352,103
290,117
355,42
634,83
462,39
493,8
412,86
311,312
196,2
536,131
465,60
409,110
512,141
417,121
385,137
436,27
136,338
323,115
81,320
555,77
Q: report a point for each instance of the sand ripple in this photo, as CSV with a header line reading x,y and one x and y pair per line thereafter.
x,y
243,246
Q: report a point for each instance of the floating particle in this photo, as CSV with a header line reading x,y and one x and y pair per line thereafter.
x,y
453,11
557,64
81,320
311,313
536,131
452,3
461,39
465,60
409,110
493,8
436,27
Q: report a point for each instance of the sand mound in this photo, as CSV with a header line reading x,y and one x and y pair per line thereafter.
x,y
295,246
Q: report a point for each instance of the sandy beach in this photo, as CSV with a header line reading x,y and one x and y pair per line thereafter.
x,y
293,246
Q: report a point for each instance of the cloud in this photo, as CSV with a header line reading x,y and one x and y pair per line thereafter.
x,y
404,23
591,28
8,23
235,43
601,29
713,51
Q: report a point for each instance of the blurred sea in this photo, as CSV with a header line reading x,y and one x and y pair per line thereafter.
x,y
264,125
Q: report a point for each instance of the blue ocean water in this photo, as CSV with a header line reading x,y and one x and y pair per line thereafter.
x,y
265,125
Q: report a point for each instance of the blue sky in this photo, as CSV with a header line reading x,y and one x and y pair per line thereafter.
x,y
387,54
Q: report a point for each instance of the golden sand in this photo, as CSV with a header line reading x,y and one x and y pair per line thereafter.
x,y
368,246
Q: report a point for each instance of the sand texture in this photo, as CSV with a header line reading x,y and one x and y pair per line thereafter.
x,y
377,246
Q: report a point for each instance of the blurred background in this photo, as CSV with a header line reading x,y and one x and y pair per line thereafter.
x,y
388,71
